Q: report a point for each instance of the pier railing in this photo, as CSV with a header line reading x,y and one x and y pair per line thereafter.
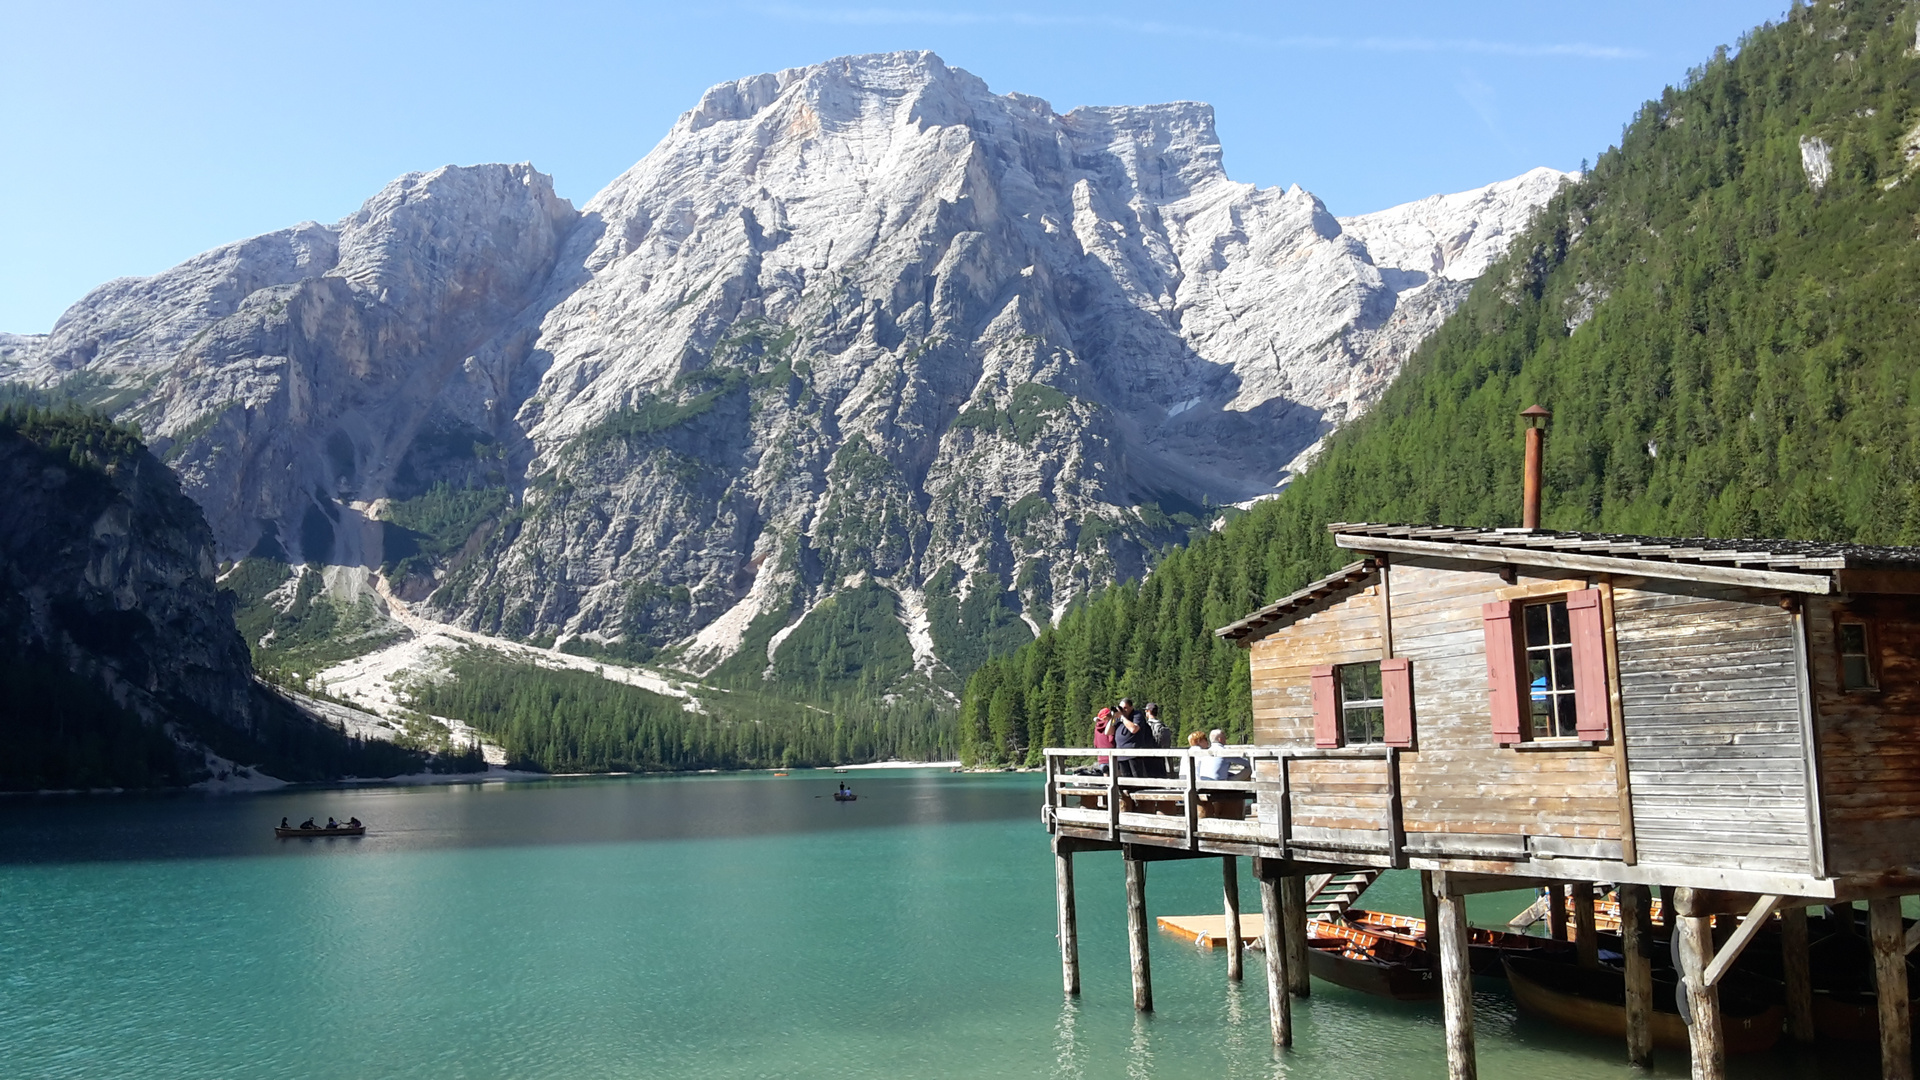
x,y
1337,805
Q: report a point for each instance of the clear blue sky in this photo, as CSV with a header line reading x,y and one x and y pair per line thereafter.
x,y
133,136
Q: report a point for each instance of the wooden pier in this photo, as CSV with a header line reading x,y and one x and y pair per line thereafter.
x,y
1733,723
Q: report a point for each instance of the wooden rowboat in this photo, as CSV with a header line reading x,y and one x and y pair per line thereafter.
x,y
1594,1000
847,796
342,830
1370,963
1484,947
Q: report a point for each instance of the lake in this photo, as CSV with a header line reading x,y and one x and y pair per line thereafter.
x,y
697,926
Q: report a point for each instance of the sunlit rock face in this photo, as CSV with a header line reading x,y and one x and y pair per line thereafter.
x,y
855,323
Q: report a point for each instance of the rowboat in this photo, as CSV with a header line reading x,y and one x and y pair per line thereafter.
x,y
844,796
1594,1000
1484,947
339,830
1370,963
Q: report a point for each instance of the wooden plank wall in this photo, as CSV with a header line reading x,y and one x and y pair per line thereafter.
x,y
1869,742
1710,693
1460,781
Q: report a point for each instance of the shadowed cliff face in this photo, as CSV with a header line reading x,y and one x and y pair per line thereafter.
x,y
122,666
862,321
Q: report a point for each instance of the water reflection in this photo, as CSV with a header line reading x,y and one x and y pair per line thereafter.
x,y
1066,1058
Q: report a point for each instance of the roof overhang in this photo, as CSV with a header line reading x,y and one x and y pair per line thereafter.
x,y
1304,602
1781,580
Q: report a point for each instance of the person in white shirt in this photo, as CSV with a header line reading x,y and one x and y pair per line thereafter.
x,y
1220,766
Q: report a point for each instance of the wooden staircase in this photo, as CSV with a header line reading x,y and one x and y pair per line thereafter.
x,y
1330,895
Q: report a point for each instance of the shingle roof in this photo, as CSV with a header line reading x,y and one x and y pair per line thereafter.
x,y
1787,555
1339,581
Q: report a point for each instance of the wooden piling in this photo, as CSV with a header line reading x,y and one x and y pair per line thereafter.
x,y
1706,1037
1137,933
1888,934
1635,901
1230,892
1069,924
1279,958
1293,913
1456,987
1557,911
1429,907
1797,961
1586,937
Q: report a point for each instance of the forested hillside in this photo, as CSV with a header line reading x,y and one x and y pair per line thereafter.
x,y
1722,317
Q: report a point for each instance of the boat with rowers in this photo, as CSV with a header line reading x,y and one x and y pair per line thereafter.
x,y
353,827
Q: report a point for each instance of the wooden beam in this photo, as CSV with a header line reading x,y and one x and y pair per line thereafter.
x,y
1293,919
1706,1037
1890,986
1797,963
1557,911
1819,584
1137,934
1456,986
1069,923
1429,908
1635,902
1279,1001
1586,936
1230,892
1693,903
1755,921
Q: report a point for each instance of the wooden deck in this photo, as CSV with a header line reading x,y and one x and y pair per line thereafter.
x,y
1210,931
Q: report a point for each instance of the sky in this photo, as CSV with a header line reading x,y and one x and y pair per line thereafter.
x,y
134,136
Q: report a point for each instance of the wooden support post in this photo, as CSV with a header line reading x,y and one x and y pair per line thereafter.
x,y
1429,909
1069,924
1706,1037
1230,892
1557,912
1637,942
1137,933
1890,986
1293,917
1586,937
1797,960
1279,960
1456,986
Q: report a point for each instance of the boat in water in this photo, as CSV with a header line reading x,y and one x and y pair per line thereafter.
x,y
1370,963
338,830
1484,947
844,796
1594,1000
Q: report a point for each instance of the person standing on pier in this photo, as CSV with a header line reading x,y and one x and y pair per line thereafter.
x,y
1103,737
1129,733
1162,737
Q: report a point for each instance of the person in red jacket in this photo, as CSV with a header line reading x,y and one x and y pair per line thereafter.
x,y
1103,735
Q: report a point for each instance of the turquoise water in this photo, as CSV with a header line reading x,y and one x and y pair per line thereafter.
x,y
713,926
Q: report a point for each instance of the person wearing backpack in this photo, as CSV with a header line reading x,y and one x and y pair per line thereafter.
x,y
1162,737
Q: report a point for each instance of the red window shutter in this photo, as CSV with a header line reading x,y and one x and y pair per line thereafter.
x,y
1326,709
1503,668
1396,692
1591,704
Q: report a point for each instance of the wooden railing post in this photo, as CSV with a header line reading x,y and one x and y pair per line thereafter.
x,y
1192,766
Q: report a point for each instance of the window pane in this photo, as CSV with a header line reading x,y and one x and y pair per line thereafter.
x,y
1353,682
1853,639
1365,725
1569,722
1537,673
1562,633
1537,624
1542,718
1854,672
1563,668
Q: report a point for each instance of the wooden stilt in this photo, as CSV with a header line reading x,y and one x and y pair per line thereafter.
x,y
1272,939
1798,964
1429,907
1635,900
1456,987
1557,911
1706,1038
1230,892
1069,924
1890,986
1293,917
1137,934
1586,939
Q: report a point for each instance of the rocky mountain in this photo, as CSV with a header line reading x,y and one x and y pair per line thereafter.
x,y
121,664
863,370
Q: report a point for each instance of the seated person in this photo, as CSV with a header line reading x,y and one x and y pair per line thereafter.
x,y
1221,766
353,823
284,825
332,824
308,824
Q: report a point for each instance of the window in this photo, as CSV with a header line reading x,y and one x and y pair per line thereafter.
x,y
1550,671
1856,657
1363,716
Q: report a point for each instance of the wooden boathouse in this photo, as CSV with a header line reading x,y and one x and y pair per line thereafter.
x,y
1734,722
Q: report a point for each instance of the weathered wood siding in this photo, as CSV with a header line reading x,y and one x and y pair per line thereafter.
x,y
1460,782
1869,741
1715,755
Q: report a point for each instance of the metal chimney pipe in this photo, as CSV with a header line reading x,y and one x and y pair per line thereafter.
x,y
1536,418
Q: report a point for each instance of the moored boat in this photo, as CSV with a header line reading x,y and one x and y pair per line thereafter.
x,y
1484,947
1370,963
1594,1000
338,830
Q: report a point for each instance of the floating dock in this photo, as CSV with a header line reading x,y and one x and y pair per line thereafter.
x,y
1210,931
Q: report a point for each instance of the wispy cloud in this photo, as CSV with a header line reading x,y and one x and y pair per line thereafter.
x,y
875,16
